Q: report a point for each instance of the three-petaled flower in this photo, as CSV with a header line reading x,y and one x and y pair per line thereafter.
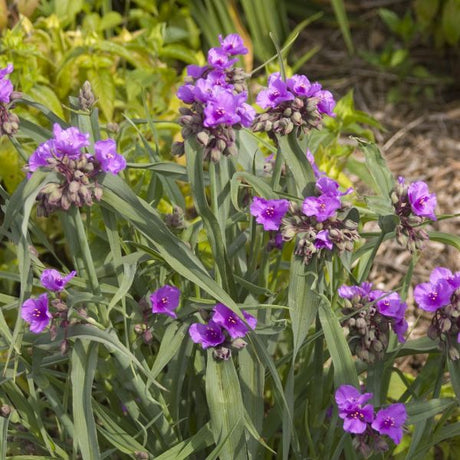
x,y
269,212
165,300
35,312
51,279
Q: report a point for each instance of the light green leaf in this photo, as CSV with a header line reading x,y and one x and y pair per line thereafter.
x,y
84,363
344,367
225,403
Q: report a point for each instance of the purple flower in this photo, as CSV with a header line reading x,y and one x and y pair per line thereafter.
x,y
322,207
40,157
51,279
217,57
355,418
300,85
218,78
251,320
208,335
347,395
230,321
390,305
328,186
35,312
196,71
7,70
441,273
422,202
326,103
247,114
323,241
69,141
106,154
221,109
276,93
389,421
311,160
6,87
186,93
269,212
232,44
203,90
348,292
432,296
399,328
165,300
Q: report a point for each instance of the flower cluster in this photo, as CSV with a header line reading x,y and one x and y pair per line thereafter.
x,y
442,296
413,204
217,95
77,169
322,223
359,419
294,104
9,122
371,313
223,331
36,311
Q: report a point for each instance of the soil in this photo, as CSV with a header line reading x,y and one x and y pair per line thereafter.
x,y
421,140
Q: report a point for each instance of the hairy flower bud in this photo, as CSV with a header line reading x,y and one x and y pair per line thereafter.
x,y
86,97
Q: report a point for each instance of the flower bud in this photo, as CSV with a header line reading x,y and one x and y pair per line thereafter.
x,y
203,138
296,118
5,410
177,149
86,97
222,353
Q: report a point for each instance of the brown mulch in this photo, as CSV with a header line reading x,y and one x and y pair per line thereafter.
x,y
422,134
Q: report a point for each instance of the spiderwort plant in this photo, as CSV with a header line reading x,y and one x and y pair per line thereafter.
x,y
78,170
223,331
414,204
217,95
292,105
370,313
36,311
273,374
441,295
366,427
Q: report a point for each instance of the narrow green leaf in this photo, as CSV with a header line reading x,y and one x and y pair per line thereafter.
x,y
378,168
225,403
114,433
296,160
342,19
84,363
302,300
446,238
194,156
418,411
125,203
454,370
170,344
185,449
344,367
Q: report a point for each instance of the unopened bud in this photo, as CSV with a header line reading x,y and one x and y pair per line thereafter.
x,y
177,149
203,138
86,97
222,353
5,410
296,118
238,344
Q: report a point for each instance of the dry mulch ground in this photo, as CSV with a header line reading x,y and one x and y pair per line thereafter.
x,y
422,137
